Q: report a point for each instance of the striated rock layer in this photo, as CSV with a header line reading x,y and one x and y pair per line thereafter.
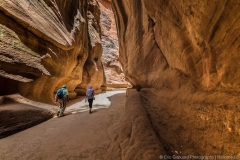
x,y
134,137
110,58
46,43
183,56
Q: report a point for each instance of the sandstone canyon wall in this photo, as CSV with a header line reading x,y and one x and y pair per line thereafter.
x,y
47,43
183,58
110,58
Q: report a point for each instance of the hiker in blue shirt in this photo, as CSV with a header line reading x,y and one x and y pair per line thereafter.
x,y
62,97
90,97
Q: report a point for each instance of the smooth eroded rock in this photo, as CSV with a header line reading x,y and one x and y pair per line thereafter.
x,y
183,58
45,44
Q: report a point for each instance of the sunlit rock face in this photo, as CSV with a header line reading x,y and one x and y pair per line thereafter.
x,y
45,44
184,57
110,58
192,41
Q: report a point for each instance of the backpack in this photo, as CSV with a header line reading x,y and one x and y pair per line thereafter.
x,y
60,93
90,95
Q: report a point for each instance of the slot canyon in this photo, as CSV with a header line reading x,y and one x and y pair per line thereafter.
x,y
169,68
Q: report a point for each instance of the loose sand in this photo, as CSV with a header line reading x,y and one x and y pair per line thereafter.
x,y
78,135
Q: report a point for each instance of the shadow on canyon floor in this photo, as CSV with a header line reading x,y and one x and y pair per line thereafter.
x,y
77,136
16,117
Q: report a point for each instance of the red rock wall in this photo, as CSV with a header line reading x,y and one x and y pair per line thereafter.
x,y
45,44
134,137
191,41
110,58
183,56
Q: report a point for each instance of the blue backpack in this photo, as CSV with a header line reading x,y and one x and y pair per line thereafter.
x,y
60,93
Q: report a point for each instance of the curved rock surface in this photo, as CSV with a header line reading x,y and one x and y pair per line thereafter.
x,y
183,56
110,58
47,43
191,41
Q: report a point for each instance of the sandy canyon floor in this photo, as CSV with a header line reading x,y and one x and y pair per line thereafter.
x,y
78,135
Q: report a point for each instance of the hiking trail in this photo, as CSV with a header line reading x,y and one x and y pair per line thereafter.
x,y
78,135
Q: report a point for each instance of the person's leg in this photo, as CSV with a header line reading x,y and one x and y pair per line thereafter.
x,y
90,105
64,105
90,101
58,112
61,107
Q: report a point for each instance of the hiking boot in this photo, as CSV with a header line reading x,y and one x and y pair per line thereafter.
x,y
61,115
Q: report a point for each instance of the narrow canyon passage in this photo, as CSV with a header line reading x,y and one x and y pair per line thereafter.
x,y
180,58
75,136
